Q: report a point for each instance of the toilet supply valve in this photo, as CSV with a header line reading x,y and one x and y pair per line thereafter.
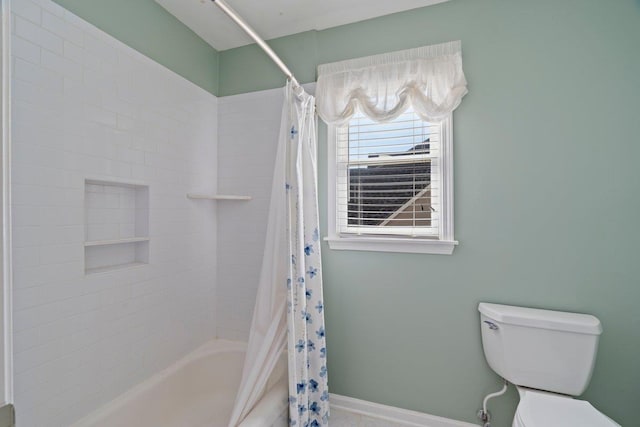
x,y
483,413
485,417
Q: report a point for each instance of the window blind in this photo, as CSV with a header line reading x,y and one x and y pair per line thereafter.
x,y
388,177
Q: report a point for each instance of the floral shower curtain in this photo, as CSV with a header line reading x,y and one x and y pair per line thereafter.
x,y
308,392
289,310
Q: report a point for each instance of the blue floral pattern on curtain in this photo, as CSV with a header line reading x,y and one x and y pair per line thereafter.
x,y
308,389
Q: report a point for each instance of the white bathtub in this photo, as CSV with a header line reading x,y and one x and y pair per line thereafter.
x,y
197,391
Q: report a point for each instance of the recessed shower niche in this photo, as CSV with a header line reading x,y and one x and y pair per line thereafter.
x,y
116,221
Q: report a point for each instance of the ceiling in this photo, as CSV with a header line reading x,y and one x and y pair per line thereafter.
x,y
277,18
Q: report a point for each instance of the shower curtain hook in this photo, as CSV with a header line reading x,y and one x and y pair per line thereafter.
x,y
295,86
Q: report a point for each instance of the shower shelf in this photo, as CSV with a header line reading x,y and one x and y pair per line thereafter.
x,y
109,268
116,242
116,224
217,197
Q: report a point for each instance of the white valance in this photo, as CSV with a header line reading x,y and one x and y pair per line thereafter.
x,y
429,79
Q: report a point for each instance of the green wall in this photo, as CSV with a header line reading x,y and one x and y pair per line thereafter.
x,y
149,28
547,200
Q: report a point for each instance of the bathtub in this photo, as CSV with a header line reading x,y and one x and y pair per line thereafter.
x,y
197,391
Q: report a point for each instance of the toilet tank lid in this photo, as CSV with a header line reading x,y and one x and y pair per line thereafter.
x,y
544,319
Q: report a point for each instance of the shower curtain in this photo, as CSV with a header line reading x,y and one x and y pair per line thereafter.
x,y
289,310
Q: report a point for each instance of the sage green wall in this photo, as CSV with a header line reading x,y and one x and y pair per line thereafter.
x,y
547,200
150,29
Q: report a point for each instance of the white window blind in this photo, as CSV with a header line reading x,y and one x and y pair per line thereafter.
x,y
388,177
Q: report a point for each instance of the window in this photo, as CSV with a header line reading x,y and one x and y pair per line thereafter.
x,y
390,176
391,185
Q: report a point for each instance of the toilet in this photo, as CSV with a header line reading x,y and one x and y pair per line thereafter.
x,y
549,356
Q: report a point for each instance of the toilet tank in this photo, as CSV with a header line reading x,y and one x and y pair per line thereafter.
x,y
542,349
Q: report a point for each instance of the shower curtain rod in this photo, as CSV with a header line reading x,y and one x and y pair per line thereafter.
x,y
242,24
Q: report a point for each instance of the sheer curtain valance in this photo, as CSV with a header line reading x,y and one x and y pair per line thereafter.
x,y
429,79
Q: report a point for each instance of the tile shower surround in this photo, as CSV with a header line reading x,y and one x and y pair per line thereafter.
x,y
247,141
87,106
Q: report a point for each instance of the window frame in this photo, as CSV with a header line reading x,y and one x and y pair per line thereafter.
x,y
443,244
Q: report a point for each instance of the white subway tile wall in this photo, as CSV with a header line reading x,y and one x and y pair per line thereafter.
x,y
247,142
86,106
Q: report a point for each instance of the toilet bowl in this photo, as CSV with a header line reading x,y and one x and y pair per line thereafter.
x,y
543,409
549,356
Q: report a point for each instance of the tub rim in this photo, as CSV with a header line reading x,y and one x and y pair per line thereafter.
x,y
209,348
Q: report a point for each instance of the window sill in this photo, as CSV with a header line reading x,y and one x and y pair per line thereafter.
x,y
391,244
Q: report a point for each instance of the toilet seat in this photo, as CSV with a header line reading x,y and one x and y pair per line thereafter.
x,y
540,409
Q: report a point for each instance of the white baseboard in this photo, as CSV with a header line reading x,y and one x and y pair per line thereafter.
x,y
396,416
